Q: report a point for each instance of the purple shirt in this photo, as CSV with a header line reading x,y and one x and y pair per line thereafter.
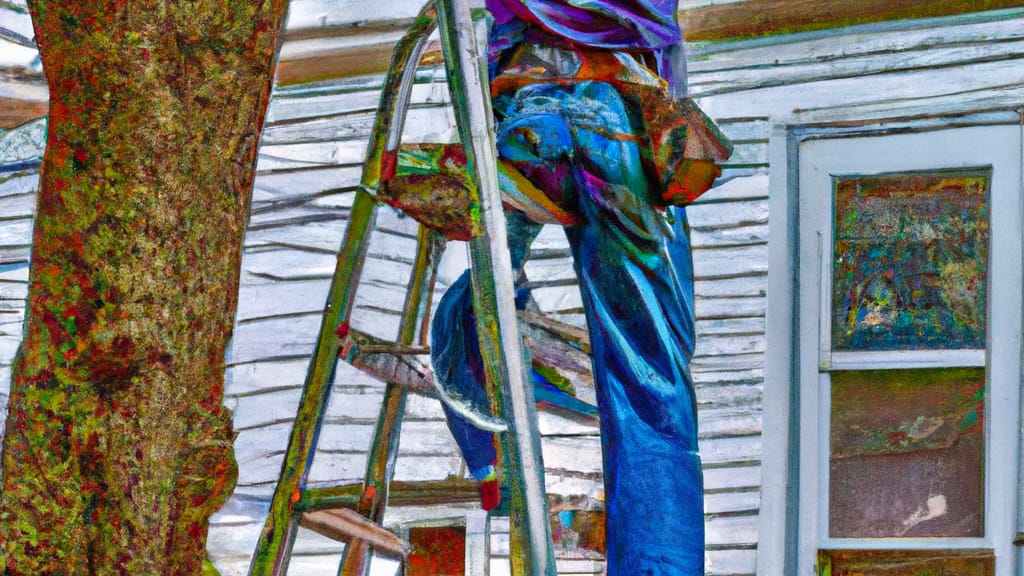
x,y
612,24
615,24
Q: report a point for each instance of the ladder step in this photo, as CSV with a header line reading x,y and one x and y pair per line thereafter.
x,y
567,334
556,345
451,490
553,344
344,525
407,366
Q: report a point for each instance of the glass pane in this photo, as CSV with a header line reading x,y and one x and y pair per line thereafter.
x,y
907,562
437,551
910,261
907,453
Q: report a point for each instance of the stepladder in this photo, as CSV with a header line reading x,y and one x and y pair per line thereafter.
x,y
354,514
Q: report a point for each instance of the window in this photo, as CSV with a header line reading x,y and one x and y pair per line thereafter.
x,y
447,546
903,378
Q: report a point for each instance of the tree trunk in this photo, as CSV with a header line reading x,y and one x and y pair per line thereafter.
x,y
117,449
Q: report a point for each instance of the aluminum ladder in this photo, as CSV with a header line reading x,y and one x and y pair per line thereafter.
x,y
354,513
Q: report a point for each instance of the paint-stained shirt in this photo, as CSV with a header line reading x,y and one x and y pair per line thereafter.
x,y
648,26
614,24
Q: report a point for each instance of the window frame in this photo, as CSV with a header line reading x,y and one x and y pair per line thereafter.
x,y
794,507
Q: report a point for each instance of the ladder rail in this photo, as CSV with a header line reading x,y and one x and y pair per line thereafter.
x,y
278,535
274,546
381,158
532,551
380,468
380,465
501,345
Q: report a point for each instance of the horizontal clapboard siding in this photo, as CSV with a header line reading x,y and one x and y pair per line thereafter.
x,y
971,64
966,70
20,154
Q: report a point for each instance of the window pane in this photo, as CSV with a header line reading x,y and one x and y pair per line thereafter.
x,y
907,453
439,551
910,261
907,562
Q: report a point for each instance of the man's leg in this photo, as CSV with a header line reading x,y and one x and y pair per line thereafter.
x,y
636,281
579,143
639,326
458,365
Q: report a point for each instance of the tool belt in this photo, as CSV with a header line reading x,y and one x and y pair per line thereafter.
x,y
681,148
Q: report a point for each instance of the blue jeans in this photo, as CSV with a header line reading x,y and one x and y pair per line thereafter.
x,y
635,275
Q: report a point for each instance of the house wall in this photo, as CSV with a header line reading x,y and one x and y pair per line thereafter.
x,y
309,164
962,65
957,70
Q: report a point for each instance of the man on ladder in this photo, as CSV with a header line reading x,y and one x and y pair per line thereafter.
x,y
594,133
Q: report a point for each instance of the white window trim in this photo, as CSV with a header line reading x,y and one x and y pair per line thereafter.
x,y
785,546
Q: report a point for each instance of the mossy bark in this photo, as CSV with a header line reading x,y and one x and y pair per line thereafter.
x,y
117,449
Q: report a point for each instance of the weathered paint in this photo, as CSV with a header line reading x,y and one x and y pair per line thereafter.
x,y
907,454
906,563
910,263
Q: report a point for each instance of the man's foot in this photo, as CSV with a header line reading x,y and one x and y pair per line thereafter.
x,y
490,494
490,488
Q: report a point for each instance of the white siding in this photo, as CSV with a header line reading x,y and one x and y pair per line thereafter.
x,y
965,69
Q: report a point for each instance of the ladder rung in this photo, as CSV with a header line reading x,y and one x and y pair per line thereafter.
x,y
343,525
451,490
396,349
407,366
572,335
554,344
562,347
412,372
